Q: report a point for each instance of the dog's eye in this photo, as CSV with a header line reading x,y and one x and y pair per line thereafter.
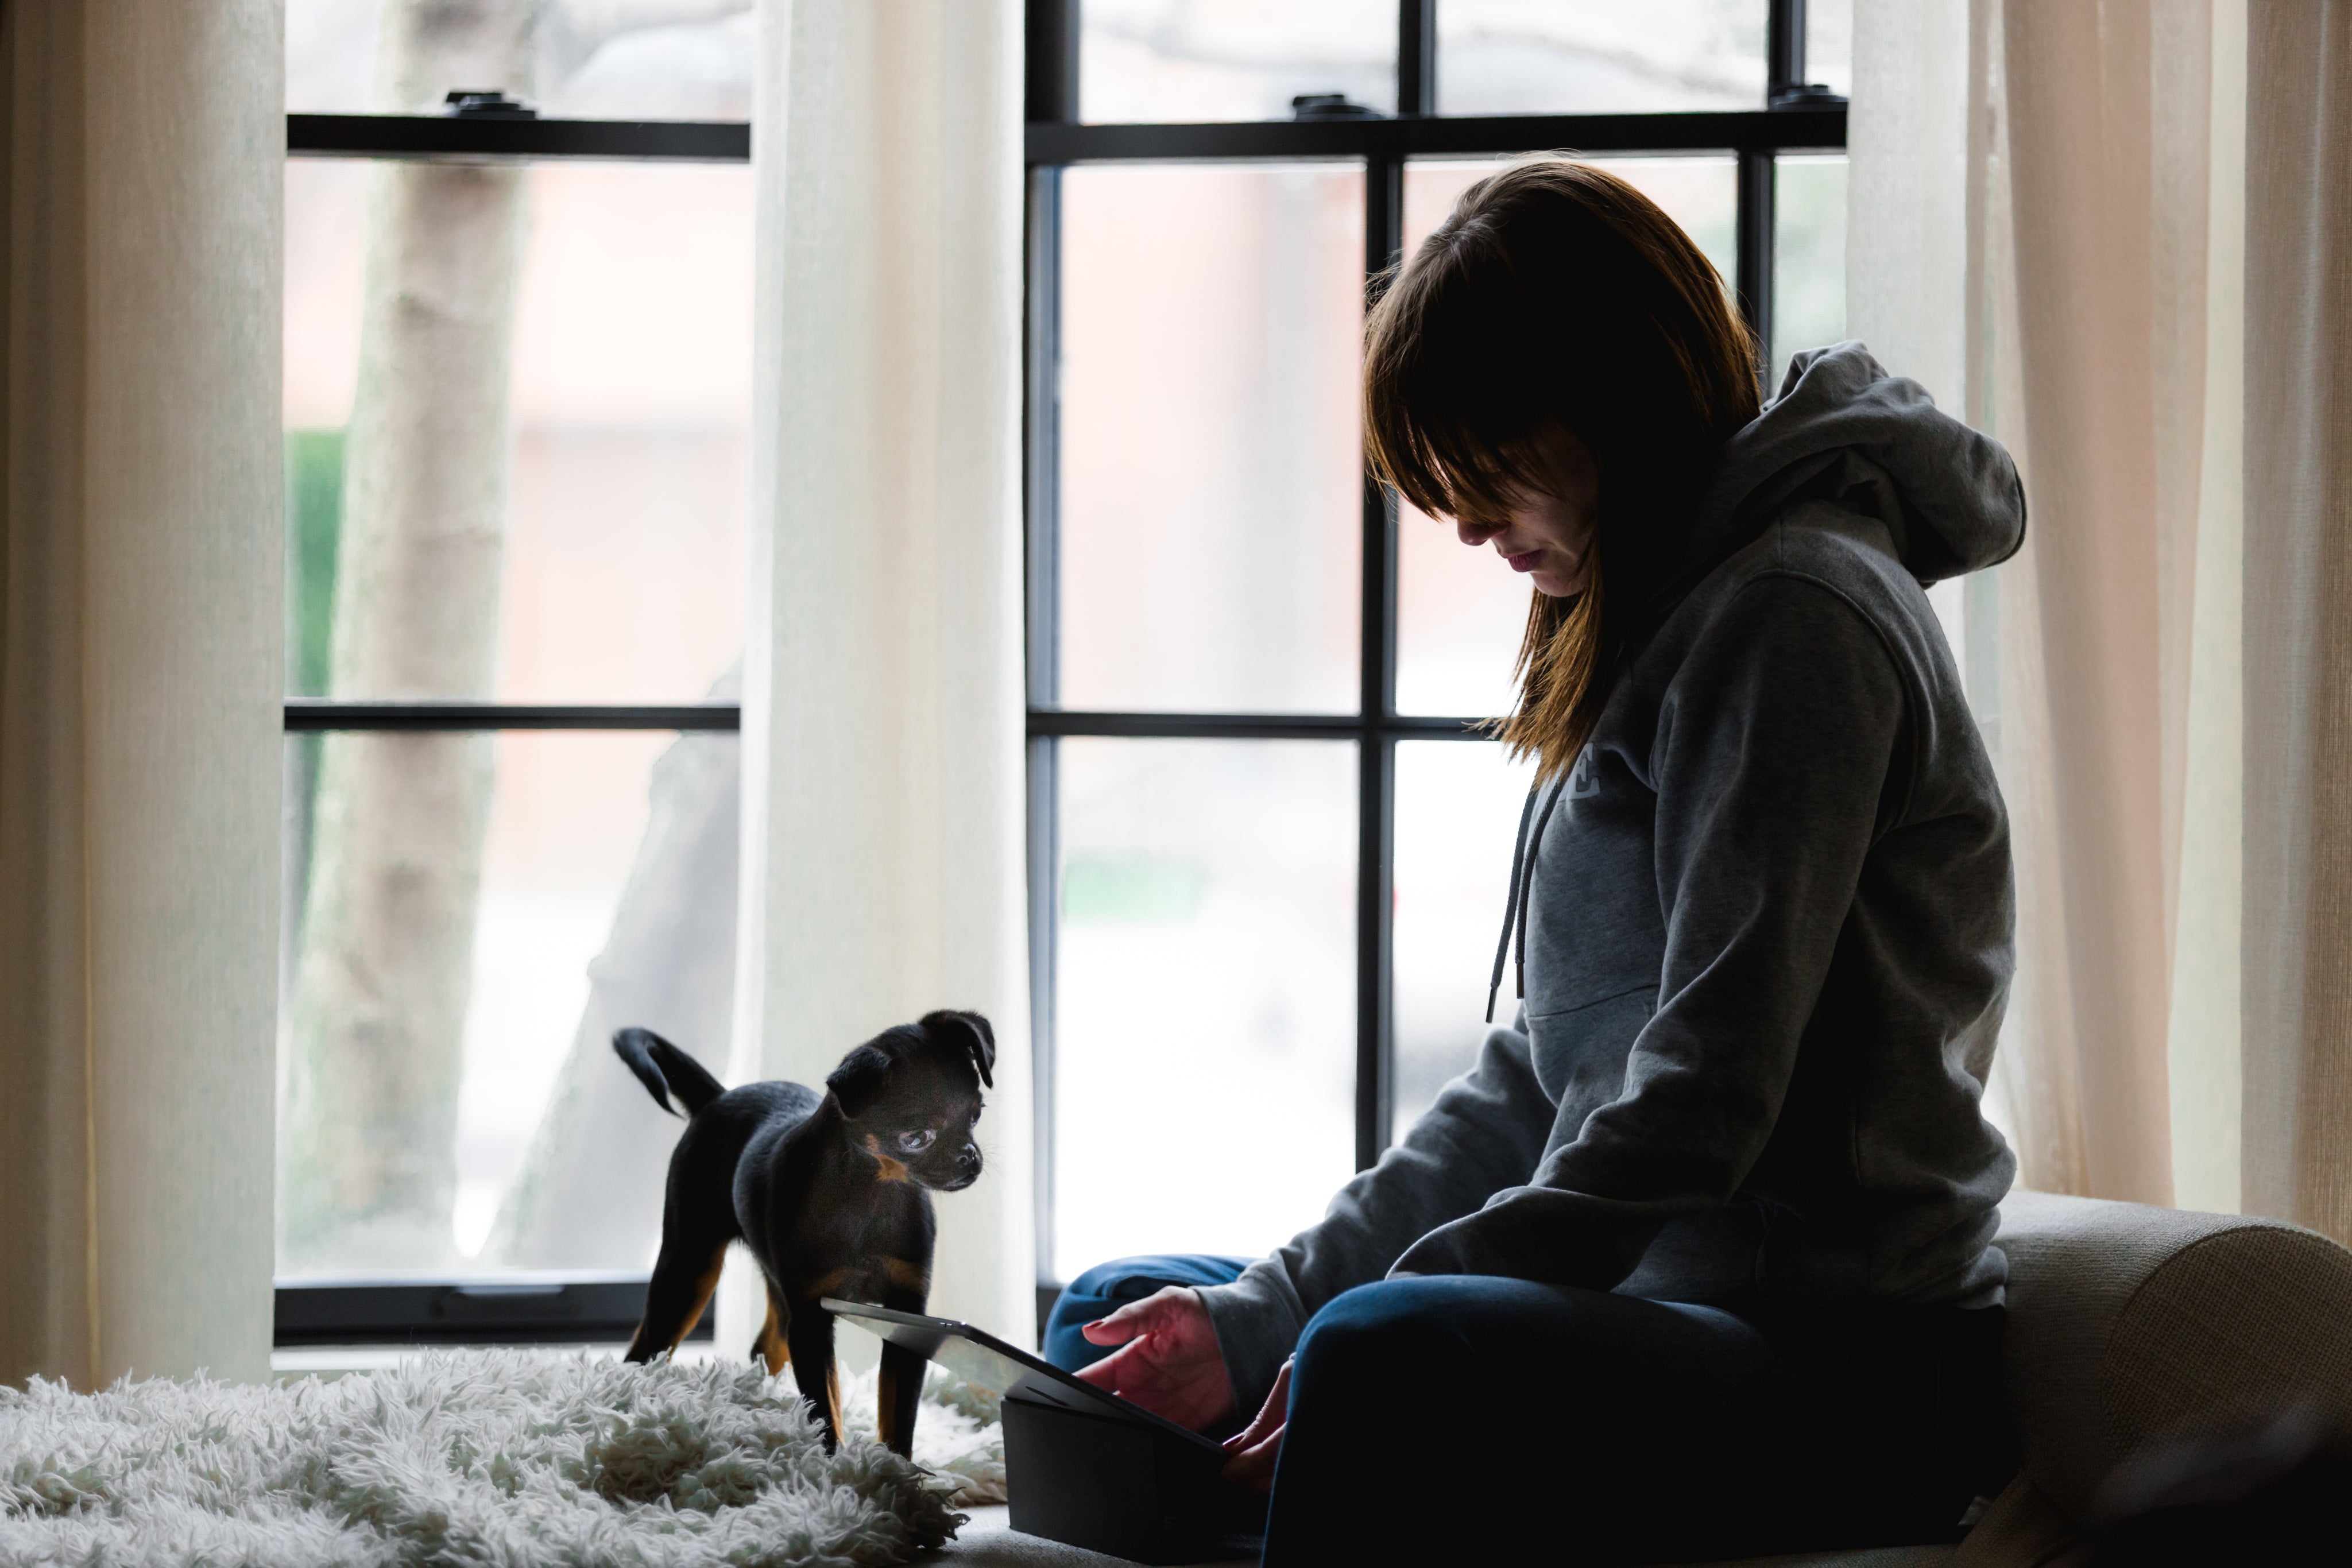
x,y
916,1143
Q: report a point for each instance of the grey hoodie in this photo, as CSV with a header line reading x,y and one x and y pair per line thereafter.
x,y
1767,933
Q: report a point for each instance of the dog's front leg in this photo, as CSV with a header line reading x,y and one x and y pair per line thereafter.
x,y
809,1336
898,1388
897,1396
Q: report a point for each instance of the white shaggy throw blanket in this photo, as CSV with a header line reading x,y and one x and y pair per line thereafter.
x,y
511,1459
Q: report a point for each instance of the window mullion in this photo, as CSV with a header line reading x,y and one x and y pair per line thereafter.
x,y
1784,48
1041,416
1416,91
1051,98
1784,67
1376,747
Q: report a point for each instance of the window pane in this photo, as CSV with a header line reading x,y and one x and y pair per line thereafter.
x,y
1187,60
1205,983
1599,57
1457,807
544,495
650,59
1211,495
469,917
1460,612
1829,45
1809,259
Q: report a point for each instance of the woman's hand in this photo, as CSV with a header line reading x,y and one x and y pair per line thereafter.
x,y
1255,1450
1168,1360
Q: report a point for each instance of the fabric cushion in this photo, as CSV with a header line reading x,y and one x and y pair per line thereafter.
x,y
2127,1322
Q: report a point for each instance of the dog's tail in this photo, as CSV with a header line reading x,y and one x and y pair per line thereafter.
x,y
665,1070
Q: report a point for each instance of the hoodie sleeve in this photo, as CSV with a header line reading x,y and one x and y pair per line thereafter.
x,y
1485,1133
1776,760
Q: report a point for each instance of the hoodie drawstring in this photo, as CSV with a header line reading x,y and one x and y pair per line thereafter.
x,y
1522,884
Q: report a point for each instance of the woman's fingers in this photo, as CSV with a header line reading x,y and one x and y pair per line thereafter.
x,y
1270,1416
1255,1449
1254,1466
1133,1318
1113,1371
1168,1360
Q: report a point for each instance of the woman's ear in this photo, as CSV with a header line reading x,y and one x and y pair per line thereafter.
x,y
860,1080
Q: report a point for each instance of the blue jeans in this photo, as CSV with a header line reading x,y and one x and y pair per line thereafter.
x,y
1440,1418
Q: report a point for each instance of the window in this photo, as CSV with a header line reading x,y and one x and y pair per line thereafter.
x,y
517,396
1267,851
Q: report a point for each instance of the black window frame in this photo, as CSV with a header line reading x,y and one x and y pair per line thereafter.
x,y
1793,119
508,1307
581,1307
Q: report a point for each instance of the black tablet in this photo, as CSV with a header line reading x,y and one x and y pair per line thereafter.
x,y
979,1357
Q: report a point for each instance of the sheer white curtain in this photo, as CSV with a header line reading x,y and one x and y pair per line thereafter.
x,y
2055,223
883,701
142,150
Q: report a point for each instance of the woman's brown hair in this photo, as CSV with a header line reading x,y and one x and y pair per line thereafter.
x,y
1556,294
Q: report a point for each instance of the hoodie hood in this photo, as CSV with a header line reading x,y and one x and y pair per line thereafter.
x,y
1843,429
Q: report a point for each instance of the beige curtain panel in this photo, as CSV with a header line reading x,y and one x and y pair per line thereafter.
x,y
2298,658
2065,220
883,869
141,668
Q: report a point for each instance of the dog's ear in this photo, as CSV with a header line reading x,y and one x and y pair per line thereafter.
x,y
977,1037
860,1080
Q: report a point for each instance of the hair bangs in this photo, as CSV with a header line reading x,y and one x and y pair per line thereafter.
x,y
1556,293
1446,417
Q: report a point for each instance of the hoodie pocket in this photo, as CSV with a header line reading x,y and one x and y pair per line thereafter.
x,y
1580,1051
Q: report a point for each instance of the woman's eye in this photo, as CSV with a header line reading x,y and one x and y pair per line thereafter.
x,y
916,1143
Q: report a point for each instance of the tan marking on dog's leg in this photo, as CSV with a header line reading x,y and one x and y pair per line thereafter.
x,y
831,1282
832,1400
774,1350
704,1289
907,1276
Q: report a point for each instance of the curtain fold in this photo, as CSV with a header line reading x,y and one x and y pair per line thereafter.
x,y
141,668
2108,344
2297,1128
883,703
2156,198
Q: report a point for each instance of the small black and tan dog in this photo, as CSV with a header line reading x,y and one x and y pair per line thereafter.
x,y
830,1192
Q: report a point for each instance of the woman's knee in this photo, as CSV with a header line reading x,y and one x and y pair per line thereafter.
x,y
1378,1327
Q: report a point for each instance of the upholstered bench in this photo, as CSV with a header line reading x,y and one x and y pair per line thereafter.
x,y
2125,1322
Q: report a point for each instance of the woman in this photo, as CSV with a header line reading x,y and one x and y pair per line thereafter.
x,y
1698,1260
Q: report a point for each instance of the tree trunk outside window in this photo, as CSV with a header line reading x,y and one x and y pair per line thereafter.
x,y
385,974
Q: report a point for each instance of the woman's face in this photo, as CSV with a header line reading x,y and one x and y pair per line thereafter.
x,y
1553,525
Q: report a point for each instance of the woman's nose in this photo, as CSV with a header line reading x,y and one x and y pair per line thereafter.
x,y
1473,534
